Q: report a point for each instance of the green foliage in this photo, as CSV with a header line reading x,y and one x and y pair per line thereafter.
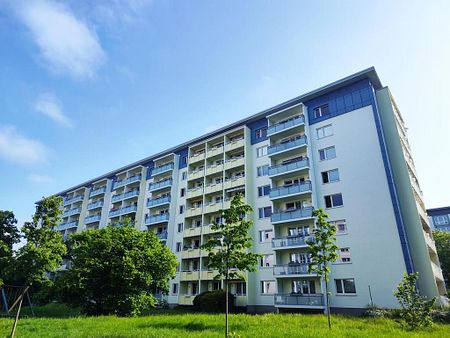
x,y
416,309
442,241
229,251
213,301
116,270
9,235
44,247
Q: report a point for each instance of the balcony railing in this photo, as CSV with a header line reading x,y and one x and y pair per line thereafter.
x,y
125,181
158,201
298,299
162,235
92,219
284,168
159,185
290,241
298,120
162,168
73,199
290,269
98,191
65,226
291,215
122,211
153,219
291,189
276,148
71,212
125,195
95,205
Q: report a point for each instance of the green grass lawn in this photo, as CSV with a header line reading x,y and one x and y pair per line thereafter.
x,y
181,324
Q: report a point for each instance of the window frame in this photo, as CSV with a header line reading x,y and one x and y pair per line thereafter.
x,y
321,131
332,201
342,286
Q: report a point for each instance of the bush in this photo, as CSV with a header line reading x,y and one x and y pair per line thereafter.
x,y
213,301
441,316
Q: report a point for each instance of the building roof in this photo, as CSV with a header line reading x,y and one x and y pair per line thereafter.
x,y
369,73
438,211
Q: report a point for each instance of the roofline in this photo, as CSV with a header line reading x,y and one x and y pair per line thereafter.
x,y
438,209
369,73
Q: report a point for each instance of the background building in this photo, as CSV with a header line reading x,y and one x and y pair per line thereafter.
x,y
439,218
342,147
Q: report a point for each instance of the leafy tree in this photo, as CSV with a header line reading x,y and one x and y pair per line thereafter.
x,y
9,235
229,250
442,240
44,246
323,251
116,270
416,310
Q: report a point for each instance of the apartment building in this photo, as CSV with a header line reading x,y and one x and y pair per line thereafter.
x,y
439,218
342,147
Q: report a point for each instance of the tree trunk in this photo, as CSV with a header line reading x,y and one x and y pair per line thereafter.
x,y
328,302
226,307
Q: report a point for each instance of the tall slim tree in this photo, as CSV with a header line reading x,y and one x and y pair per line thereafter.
x,y
229,250
442,241
9,235
323,251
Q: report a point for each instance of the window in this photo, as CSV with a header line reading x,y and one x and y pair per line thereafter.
x,y
175,288
262,171
218,220
263,191
182,192
300,257
327,153
181,209
440,220
344,255
178,247
261,133
267,287
265,236
330,176
261,151
345,286
321,111
198,223
216,285
324,131
184,175
180,227
184,160
241,288
341,226
304,286
333,201
265,212
194,288
266,261
299,231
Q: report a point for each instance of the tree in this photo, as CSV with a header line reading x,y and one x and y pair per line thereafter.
x,y
44,246
323,251
442,241
229,250
416,309
116,270
9,235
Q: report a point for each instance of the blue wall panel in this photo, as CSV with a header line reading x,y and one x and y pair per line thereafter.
x,y
183,156
254,126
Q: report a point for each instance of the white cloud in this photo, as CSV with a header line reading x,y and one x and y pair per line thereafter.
x,y
66,44
49,105
17,148
40,179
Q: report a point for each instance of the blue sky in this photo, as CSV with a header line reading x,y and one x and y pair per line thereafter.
x,y
89,86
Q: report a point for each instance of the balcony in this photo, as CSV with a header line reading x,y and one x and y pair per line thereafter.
x,y
192,232
288,167
288,270
214,169
73,199
162,235
155,219
291,215
235,144
95,205
215,151
196,174
213,207
291,190
213,187
129,180
196,157
208,274
194,211
65,226
430,243
98,191
291,242
125,196
234,162
193,253
284,147
299,300
122,211
234,182
195,192
71,212
160,185
92,219
186,299
155,202
162,169
189,275
291,123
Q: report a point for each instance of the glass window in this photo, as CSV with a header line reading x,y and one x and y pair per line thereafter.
x,y
441,220
182,192
341,226
175,288
332,201
265,236
261,133
265,212
262,151
266,261
344,255
178,247
262,171
345,286
324,131
327,153
180,227
263,191
183,175
321,111
268,287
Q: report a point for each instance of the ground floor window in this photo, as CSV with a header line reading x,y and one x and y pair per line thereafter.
x,y
345,286
267,287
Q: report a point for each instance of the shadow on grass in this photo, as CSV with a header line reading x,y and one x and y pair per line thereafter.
x,y
191,326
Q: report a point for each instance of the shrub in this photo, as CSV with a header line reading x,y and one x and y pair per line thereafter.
x,y
441,316
213,301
